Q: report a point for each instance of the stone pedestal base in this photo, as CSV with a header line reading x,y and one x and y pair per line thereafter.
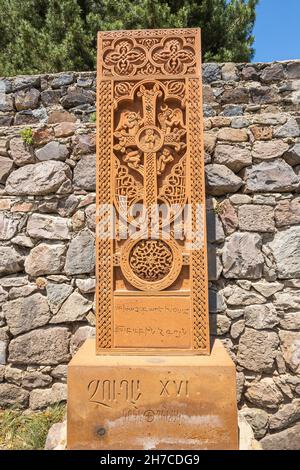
x,y
151,402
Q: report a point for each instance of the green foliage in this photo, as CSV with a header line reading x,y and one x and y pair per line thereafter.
x,y
55,35
93,117
27,431
217,208
27,136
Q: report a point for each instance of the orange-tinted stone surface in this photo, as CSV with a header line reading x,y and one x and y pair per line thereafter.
x,y
150,152
150,379
151,402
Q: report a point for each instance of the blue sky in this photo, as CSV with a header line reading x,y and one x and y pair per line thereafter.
x,y
277,30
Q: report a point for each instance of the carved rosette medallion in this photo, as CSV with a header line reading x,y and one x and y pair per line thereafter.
x,y
151,265
150,153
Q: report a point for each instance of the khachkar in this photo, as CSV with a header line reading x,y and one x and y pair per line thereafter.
x,y
152,290
151,259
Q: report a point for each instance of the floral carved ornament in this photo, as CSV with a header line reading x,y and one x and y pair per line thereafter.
x,y
126,57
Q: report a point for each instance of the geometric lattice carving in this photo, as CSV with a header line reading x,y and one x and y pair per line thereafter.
x,y
104,246
151,265
174,188
150,152
151,260
199,263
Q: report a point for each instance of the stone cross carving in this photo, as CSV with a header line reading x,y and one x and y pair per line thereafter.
x,y
151,282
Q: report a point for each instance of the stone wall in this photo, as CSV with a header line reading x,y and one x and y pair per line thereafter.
x,y
47,207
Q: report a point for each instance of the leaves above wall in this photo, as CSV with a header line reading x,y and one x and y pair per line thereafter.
x,y
51,36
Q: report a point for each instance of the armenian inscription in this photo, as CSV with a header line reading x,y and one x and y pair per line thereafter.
x,y
152,273
108,392
151,402
159,321
169,415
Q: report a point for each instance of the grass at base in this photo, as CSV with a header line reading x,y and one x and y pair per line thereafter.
x,y
21,430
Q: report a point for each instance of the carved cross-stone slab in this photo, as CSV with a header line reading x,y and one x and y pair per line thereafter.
x,y
151,288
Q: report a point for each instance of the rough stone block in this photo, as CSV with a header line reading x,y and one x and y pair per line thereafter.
x,y
162,403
